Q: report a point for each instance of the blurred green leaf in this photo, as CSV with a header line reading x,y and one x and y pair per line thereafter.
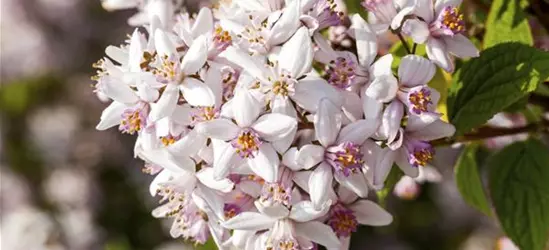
x,y
468,179
209,245
507,22
488,84
519,189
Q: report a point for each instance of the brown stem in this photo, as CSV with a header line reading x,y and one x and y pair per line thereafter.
x,y
489,132
404,43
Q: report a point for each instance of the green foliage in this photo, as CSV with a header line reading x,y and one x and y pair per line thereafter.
x,y
519,187
486,85
398,51
507,23
468,179
209,245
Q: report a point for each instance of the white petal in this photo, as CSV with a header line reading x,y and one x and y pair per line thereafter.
x,y
366,41
111,116
195,57
441,4
379,162
437,52
382,66
318,232
188,145
319,183
355,182
275,210
287,24
352,106
461,46
249,221
305,211
345,195
415,70
403,163
221,129
310,90
358,131
301,179
197,93
289,159
370,213
203,23
282,105
223,162
206,176
246,108
265,163
182,114
372,107
418,122
424,9
273,127
162,177
436,130
416,29
117,90
327,122
392,117
384,88
309,156
299,46
117,54
283,144
166,160
163,45
245,61
166,104
406,10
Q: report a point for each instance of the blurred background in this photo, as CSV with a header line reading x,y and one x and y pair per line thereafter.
x,y
65,185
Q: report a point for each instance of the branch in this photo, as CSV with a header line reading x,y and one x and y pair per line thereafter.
x,y
490,132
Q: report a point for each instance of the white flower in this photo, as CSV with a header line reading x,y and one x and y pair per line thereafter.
x,y
339,155
441,27
387,13
249,139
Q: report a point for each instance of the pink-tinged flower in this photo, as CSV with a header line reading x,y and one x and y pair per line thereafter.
x,y
178,76
249,139
409,188
387,13
349,212
406,143
286,80
322,14
339,154
258,29
441,27
193,204
283,228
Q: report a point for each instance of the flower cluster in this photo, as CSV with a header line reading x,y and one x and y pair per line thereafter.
x,y
254,147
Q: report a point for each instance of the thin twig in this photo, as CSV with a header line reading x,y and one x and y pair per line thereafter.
x,y
490,132
414,48
404,43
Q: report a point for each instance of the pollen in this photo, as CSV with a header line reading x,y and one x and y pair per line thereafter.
x,y
453,20
168,140
346,158
133,120
247,143
341,73
222,38
420,100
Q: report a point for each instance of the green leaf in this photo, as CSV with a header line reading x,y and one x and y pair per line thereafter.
x,y
486,85
209,245
468,179
519,186
507,23
398,51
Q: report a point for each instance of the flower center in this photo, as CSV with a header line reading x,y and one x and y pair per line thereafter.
x,y
168,140
420,100
346,158
384,10
284,86
449,22
276,192
202,114
342,220
168,69
222,39
247,143
420,153
231,210
341,73
230,78
327,15
133,120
